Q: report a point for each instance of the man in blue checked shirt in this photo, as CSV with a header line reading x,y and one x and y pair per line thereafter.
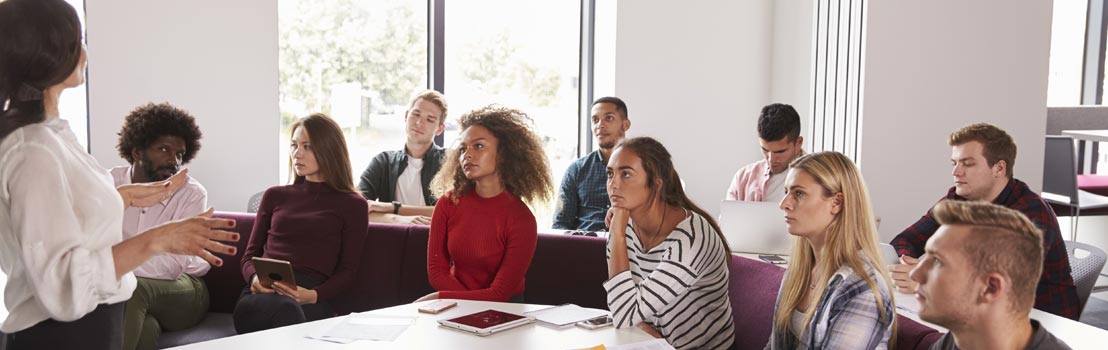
x,y
583,197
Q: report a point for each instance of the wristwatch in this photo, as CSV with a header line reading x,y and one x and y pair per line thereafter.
x,y
395,207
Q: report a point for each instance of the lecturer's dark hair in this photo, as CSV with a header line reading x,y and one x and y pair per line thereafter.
x,y
40,46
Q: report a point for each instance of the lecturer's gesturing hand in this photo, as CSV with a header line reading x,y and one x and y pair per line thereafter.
x,y
148,194
197,236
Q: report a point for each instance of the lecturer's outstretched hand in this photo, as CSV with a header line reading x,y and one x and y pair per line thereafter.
x,y
197,236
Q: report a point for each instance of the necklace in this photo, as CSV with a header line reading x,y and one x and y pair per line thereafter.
x,y
657,233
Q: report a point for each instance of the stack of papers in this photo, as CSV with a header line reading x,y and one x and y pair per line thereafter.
x,y
365,327
656,344
566,314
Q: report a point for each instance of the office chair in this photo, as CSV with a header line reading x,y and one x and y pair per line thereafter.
x,y
1060,181
254,202
1085,270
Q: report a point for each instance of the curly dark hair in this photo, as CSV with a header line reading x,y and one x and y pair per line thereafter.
x,y
148,122
523,167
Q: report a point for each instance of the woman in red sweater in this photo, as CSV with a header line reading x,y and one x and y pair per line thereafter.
x,y
317,223
482,232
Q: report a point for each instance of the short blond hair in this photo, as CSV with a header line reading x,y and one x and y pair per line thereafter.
x,y
1001,240
435,98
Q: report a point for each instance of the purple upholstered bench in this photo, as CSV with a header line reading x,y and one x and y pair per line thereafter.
x,y
753,291
565,269
393,271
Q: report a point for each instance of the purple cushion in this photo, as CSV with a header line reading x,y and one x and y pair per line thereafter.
x,y
913,335
225,282
1093,183
414,283
568,269
753,291
375,286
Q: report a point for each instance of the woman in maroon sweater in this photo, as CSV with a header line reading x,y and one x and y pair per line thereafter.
x,y
318,224
482,233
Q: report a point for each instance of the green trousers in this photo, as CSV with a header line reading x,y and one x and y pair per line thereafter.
x,y
161,304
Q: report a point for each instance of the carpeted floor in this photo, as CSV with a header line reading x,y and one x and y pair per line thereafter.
x,y
1096,311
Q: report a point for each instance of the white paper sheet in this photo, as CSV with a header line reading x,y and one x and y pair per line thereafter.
x,y
365,327
655,344
565,315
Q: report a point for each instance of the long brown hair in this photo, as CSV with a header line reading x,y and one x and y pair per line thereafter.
x,y
851,240
658,164
40,46
329,148
519,157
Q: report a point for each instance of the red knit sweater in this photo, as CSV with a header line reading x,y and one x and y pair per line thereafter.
x,y
480,248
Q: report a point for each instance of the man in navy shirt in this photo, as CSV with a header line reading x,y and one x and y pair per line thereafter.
x,y
583,197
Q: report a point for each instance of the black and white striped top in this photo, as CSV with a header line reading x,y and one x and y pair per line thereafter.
x,y
679,287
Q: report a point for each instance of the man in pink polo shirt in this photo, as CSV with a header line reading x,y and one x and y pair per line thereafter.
x,y
157,139
779,136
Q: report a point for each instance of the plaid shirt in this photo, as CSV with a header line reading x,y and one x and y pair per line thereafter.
x,y
1056,292
847,316
583,197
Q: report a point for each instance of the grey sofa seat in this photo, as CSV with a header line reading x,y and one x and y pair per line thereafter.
x,y
214,326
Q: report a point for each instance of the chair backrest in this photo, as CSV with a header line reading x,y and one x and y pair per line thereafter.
x,y
1060,167
1085,270
752,288
254,202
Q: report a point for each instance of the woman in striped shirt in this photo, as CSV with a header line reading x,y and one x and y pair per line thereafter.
x,y
835,294
667,261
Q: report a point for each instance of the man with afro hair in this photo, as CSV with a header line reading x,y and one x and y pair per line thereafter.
x,y
157,139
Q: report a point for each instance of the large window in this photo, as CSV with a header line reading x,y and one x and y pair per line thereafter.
x,y
356,61
518,54
73,104
1067,50
360,61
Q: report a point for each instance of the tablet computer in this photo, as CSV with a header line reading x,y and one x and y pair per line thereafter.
x,y
273,270
486,322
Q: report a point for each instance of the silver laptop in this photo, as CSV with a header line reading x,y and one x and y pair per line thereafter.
x,y
888,254
755,227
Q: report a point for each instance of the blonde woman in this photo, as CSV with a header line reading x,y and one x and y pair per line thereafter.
x,y
836,291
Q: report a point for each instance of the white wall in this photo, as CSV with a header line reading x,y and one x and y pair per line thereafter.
x,y
935,66
215,59
791,82
695,75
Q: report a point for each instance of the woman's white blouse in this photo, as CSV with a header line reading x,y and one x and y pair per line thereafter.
x,y
59,217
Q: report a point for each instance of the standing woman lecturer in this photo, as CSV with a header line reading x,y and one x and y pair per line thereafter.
x,y
61,237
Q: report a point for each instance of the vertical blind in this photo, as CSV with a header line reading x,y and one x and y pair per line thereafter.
x,y
839,46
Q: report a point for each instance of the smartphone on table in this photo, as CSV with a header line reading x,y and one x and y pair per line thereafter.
x,y
773,259
437,306
596,322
